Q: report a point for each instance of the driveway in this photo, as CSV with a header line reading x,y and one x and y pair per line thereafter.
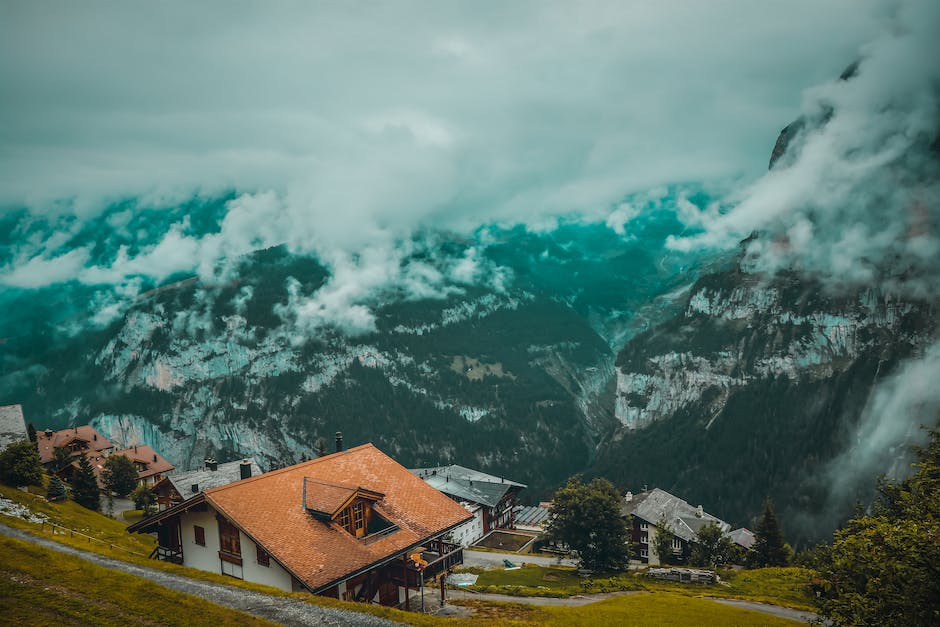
x,y
485,559
281,610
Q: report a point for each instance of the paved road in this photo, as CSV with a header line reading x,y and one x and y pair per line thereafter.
x,y
486,559
776,610
281,610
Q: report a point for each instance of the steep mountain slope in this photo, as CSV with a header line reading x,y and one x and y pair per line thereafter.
x,y
514,379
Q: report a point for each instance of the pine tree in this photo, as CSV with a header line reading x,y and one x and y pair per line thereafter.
x,y
31,432
57,490
85,485
770,549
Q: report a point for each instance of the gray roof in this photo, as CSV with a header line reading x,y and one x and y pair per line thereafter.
x,y
742,537
226,473
529,515
682,520
466,484
12,425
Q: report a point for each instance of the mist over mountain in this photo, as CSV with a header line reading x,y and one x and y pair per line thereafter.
x,y
536,240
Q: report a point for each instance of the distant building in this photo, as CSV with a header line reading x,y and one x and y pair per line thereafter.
x,y
531,517
491,499
80,440
344,525
656,507
151,466
12,425
743,537
181,486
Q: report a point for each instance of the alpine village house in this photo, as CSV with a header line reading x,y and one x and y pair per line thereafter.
x,y
345,525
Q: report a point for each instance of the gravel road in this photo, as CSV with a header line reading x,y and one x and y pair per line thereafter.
x,y
278,609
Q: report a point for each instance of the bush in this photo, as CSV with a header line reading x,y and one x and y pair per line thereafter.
x,y
144,500
19,464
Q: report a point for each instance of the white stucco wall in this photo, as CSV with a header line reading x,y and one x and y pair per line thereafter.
x,y
469,532
207,557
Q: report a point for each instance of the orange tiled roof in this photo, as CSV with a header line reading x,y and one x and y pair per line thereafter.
x,y
142,453
270,509
58,439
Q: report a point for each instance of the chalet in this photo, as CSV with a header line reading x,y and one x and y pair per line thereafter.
x,y
654,509
178,487
343,525
81,440
12,425
151,466
490,499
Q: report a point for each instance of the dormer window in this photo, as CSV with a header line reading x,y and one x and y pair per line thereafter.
x,y
351,508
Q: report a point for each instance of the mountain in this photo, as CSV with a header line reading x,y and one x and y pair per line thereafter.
x,y
513,378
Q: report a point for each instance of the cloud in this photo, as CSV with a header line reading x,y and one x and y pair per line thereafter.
x,y
342,129
856,200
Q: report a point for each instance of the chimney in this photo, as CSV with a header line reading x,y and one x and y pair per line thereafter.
x,y
628,496
154,457
48,433
195,488
94,437
135,448
339,441
244,469
699,511
211,464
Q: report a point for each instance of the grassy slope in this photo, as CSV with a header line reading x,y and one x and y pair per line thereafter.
x,y
43,587
671,601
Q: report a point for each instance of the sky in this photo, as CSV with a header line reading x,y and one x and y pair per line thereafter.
x,y
361,122
343,130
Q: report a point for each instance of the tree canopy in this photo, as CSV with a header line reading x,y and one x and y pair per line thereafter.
x,y
57,490
144,499
19,464
119,475
85,485
587,518
711,548
884,568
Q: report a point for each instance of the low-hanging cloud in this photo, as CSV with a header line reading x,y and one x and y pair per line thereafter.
x,y
344,130
855,203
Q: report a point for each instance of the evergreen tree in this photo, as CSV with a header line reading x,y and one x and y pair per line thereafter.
x,y
119,475
19,464
57,490
85,485
31,431
882,569
770,549
587,518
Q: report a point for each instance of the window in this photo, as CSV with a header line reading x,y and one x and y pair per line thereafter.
x,y
200,534
357,516
644,526
263,558
644,539
676,544
644,553
229,542
344,519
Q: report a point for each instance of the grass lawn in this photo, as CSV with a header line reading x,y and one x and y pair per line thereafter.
x,y
788,587
43,587
652,609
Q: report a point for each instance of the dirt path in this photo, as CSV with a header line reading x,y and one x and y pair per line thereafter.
x,y
281,610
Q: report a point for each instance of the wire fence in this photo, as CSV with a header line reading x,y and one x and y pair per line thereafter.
x,y
73,533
